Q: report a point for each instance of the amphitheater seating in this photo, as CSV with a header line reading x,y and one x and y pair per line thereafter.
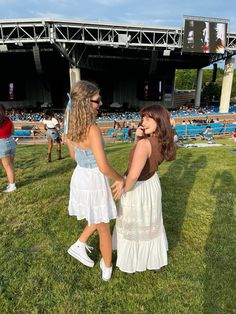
x,y
188,131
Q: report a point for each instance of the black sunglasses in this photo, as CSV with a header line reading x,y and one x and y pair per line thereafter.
x,y
98,101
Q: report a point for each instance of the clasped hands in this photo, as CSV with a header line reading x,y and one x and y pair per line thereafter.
x,y
118,189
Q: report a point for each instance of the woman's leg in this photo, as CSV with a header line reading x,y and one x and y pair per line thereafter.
x,y
49,145
49,149
58,148
79,249
87,232
12,158
8,165
105,242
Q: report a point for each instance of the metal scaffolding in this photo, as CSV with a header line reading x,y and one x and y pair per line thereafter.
x,y
71,38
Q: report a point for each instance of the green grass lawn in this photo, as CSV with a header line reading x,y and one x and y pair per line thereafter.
x,y
199,206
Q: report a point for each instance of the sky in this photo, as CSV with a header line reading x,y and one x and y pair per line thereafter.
x,y
134,12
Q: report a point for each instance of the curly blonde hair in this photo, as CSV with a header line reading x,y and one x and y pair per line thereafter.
x,y
82,115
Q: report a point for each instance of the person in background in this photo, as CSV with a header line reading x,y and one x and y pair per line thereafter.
x,y
90,193
234,135
52,126
139,235
7,148
173,126
132,128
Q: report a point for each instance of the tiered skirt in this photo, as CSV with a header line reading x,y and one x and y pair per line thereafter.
x,y
90,196
139,235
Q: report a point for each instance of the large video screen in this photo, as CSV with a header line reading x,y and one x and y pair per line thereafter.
x,y
202,35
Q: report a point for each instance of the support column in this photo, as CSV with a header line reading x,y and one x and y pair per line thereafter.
x,y
74,76
227,85
199,88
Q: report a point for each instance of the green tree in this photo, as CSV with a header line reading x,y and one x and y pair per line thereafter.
x,y
187,78
211,91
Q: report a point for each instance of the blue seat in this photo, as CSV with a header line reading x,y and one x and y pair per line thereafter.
x,y
21,133
110,132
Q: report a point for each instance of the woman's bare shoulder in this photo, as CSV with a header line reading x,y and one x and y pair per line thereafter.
x,y
143,145
94,134
94,130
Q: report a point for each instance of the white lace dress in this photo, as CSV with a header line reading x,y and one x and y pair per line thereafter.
x,y
139,235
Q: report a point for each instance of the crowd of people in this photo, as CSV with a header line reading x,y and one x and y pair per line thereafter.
x,y
182,111
203,110
18,115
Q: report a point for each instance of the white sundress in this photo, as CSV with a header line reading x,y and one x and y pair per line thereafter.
x,y
90,193
139,235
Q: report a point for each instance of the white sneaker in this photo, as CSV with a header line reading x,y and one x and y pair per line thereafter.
x,y
78,251
106,271
10,188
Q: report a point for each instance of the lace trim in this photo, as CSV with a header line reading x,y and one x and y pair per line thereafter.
x,y
135,230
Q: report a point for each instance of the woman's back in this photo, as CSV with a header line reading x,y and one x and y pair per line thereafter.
x,y
85,158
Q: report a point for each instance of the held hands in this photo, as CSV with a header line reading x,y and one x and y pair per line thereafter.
x,y
118,189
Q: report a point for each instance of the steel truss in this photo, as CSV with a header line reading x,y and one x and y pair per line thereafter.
x,y
71,38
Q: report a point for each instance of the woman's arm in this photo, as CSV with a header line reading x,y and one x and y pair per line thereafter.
x,y
44,125
96,144
141,154
71,149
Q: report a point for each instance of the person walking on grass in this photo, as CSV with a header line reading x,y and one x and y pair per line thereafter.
x,y
90,193
139,235
7,148
52,126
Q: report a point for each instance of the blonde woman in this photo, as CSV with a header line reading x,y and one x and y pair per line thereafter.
x,y
90,193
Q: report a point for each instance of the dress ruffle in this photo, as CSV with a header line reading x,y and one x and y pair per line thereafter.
x,y
90,196
141,255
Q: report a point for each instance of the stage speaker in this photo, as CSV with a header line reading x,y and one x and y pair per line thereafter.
x,y
153,63
37,60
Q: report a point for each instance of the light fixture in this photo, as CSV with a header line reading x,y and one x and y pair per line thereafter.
x,y
3,48
166,53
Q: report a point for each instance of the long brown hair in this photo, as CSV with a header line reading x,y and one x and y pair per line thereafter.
x,y
82,116
163,131
2,114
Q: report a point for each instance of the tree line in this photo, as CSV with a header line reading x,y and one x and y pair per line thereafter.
x,y
211,90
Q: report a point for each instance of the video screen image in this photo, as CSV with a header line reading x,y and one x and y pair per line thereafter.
x,y
204,36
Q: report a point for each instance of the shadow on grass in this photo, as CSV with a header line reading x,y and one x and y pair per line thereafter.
x,y
64,167
220,256
177,184
31,156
